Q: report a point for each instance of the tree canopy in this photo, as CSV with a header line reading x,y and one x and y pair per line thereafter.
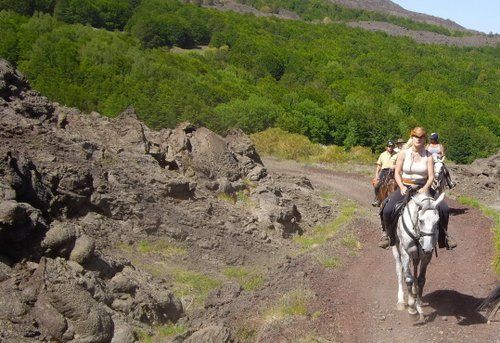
x,y
334,84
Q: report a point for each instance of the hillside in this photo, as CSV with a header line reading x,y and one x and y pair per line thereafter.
x,y
110,231
368,16
114,232
332,83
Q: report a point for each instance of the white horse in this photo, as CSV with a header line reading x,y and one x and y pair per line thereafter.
x,y
439,182
417,234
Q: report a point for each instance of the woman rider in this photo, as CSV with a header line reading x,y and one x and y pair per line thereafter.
x,y
434,147
437,149
414,168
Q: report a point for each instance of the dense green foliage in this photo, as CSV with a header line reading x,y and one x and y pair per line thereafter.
x,y
110,14
334,84
28,7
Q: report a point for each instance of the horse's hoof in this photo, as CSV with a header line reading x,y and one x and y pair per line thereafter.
x,y
412,311
400,306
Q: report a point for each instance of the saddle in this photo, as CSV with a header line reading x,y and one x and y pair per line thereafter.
x,y
391,226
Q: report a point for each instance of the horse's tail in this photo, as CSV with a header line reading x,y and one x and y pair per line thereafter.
x,y
491,304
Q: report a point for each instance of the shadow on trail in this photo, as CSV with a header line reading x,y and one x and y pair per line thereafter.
x,y
451,303
458,211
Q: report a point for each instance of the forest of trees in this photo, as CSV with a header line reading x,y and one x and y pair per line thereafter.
x,y
334,84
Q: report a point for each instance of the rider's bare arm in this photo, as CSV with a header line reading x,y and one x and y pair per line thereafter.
x,y
377,171
398,170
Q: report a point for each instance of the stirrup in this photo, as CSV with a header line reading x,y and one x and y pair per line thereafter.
x,y
384,242
450,244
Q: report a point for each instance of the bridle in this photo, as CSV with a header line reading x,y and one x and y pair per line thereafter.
x,y
419,234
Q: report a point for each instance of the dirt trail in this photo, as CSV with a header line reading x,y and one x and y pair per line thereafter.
x,y
363,294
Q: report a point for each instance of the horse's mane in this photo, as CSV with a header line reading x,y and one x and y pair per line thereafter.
x,y
426,201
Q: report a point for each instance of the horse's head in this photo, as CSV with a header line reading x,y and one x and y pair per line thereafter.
x,y
438,165
428,219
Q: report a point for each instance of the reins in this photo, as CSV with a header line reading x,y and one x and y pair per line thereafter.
x,y
415,228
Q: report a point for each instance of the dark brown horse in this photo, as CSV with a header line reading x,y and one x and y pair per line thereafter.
x,y
387,186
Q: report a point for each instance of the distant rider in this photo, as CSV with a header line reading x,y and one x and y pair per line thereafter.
x,y
434,147
399,145
437,149
385,162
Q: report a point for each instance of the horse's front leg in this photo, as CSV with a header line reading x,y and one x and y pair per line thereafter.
x,y
399,274
409,279
426,259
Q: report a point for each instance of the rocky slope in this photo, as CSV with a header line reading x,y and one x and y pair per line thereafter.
x,y
480,179
389,7
473,39
100,220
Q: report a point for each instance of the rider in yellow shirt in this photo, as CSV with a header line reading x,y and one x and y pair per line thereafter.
x,y
385,162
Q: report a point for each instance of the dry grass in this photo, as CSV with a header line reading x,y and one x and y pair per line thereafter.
x,y
291,304
291,146
161,333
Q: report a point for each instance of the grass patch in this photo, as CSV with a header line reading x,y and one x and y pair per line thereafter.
x,y
240,197
249,279
170,330
193,285
495,216
330,262
160,333
351,241
230,198
293,303
326,195
291,146
246,334
321,234
143,336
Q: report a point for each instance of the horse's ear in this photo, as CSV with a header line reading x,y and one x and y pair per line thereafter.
x,y
439,199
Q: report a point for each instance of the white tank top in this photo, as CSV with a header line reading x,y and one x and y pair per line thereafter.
x,y
435,149
415,170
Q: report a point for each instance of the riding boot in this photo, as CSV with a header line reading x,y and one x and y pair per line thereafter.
x,y
384,241
445,240
450,242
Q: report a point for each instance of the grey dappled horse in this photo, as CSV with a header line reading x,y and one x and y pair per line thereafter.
x,y
439,182
417,234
